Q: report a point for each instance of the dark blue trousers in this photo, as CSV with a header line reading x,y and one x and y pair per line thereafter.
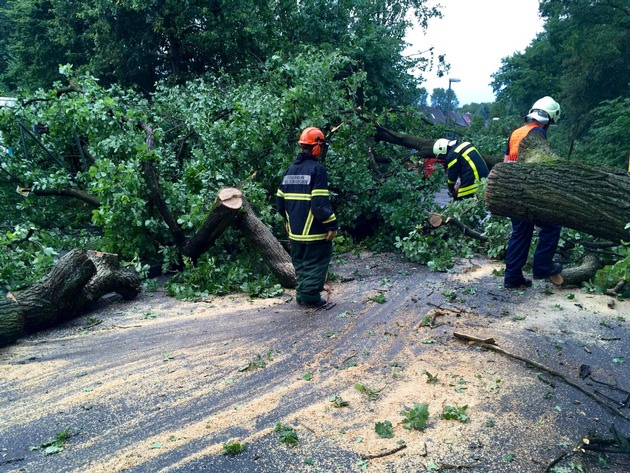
x,y
518,249
310,261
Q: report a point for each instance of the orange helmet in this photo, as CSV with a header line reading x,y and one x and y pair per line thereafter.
x,y
314,137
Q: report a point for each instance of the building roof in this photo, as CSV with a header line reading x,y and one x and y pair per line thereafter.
x,y
435,115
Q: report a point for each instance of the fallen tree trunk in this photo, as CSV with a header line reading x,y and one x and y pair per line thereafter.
x,y
75,282
589,199
267,245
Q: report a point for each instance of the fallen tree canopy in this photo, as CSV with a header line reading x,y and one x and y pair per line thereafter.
x,y
78,280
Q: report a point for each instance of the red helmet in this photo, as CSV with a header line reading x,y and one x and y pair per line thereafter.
x,y
314,137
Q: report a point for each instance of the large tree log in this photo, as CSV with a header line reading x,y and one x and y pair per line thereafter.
x,y
587,198
261,238
75,282
541,187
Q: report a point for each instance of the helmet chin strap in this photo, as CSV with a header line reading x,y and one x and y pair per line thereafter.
x,y
539,115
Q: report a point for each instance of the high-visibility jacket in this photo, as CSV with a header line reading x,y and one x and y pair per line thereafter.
x,y
511,153
464,162
303,200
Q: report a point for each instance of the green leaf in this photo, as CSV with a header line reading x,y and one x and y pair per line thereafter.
x,y
232,447
455,413
416,418
384,429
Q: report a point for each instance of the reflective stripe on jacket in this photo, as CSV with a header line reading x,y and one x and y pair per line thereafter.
x,y
465,162
303,200
517,136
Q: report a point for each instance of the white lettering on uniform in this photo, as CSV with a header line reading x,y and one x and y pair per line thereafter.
x,y
297,180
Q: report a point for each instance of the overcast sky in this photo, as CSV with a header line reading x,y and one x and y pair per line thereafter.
x,y
475,35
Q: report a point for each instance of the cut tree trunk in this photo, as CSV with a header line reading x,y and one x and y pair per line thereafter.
x,y
587,198
577,275
224,211
267,245
436,220
75,282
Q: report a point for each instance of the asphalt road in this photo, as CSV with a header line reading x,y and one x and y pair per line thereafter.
x,y
157,384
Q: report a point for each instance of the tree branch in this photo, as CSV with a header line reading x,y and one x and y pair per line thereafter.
x,y
540,366
69,192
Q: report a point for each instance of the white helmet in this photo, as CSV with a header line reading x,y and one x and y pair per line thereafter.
x,y
441,146
545,109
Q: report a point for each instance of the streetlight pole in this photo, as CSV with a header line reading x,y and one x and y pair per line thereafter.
x,y
448,103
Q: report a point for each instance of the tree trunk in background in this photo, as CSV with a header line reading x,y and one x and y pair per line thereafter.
x,y
75,282
268,246
589,199
423,146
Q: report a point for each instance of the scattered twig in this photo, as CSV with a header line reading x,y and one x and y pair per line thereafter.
x,y
544,368
308,428
347,359
557,460
11,460
385,453
490,341
599,393
451,466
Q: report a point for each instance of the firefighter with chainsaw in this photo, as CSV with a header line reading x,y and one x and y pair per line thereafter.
x,y
303,200
543,113
464,163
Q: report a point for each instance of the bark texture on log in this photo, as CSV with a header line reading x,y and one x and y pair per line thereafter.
x,y
589,199
224,211
577,275
272,252
75,282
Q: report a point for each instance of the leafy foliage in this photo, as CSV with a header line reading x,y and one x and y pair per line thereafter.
x,y
232,447
286,434
142,42
455,413
438,247
609,276
372,394
338,401
416,417
608,142
55,445
384,429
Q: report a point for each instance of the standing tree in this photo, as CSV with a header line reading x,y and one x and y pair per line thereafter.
x,y
440,99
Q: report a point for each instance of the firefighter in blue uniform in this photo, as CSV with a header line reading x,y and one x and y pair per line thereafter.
x,y
463,162
543,113
304,203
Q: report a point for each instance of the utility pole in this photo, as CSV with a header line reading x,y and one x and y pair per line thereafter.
x,y
448,104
